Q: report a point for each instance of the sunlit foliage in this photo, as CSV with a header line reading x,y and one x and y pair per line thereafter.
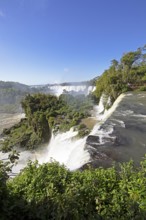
x,y
126,75
45,113
50,191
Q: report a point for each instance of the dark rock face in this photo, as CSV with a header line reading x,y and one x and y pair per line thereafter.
x,y
98,159
102,152
115,140
92,140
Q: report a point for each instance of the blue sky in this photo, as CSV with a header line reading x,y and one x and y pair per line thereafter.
x,y
46,41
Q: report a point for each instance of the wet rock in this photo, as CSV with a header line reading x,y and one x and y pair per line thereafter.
x,y
110,141
98,159
92,140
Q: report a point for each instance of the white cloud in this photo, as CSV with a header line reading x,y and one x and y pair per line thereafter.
x,y
66,70
2,14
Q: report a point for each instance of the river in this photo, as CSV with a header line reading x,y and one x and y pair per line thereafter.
x,y
123,135
119,135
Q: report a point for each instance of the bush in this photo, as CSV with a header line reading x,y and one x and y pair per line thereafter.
x,y
50,191
142,88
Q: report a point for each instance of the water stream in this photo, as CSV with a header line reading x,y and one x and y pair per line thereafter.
x,y
123,135
119,132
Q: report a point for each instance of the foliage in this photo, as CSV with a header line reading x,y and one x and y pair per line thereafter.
x,y
43,113
3,189
127,74
73,110
50,191
5,169
83,130
142,88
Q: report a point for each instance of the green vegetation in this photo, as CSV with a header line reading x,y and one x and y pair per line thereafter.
x,y
50,191
73,110
83,130
126,75
44,113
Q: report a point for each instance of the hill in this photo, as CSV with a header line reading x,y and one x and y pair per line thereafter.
x,y
11,94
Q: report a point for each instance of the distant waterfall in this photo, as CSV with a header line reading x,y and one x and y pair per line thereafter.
x,y
80,89
101,107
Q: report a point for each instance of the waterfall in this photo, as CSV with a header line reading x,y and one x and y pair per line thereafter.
x,y
67,149
100,107
102,133
80,89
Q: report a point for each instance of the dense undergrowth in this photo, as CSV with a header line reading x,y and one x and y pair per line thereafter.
x,y
50,191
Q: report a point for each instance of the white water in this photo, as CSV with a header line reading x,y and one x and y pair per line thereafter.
x,y
98,110
59,89
121,123
66,148
108,112
100,107
101,133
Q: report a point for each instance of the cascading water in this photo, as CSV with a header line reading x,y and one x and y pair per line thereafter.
x,y
65,147
101,106
67,150
122,135
80,89
103,117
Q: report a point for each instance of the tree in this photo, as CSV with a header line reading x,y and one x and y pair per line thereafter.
x,y
130,58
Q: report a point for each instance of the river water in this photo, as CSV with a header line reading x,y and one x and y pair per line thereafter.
x,y
119,135
123,135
